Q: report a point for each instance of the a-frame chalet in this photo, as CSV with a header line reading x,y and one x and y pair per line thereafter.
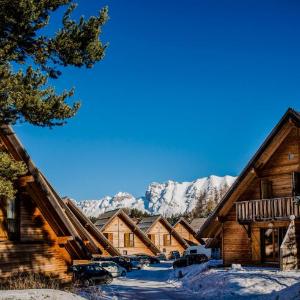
x,y
258,220
163,235
124,234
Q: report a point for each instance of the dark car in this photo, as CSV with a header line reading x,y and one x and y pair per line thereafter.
x,y
151,259
136,261
174,255
117,259
188,260
90,274
161,256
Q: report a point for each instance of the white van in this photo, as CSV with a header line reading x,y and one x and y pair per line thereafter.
x,y
200,249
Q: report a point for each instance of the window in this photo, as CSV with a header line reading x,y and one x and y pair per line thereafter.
x,y
109,236
266,189
128,239
124,252
152,238
164,250
296,184
167,239
12,219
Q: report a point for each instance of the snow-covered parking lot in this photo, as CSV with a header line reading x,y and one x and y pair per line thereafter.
x,y
200,282
206,281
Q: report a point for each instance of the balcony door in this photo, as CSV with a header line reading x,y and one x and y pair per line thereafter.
x,y
271,239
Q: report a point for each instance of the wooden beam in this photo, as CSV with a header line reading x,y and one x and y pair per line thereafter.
x,y
24,180
62,240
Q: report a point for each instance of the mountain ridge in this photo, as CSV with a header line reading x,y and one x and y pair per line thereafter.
x,y
168,198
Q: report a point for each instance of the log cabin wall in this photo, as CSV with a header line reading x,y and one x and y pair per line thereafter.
x,y
185,233
158,231
240,246
36,249
116,230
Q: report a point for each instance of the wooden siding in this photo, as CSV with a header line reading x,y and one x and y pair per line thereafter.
x,y
158,230
185,233
37,250
241,244
117,228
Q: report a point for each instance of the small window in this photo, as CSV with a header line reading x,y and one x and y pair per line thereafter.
x,y
266,189
12,219
194,251
109,236
296,184
164,250
152,238
124,253
167,239
128,239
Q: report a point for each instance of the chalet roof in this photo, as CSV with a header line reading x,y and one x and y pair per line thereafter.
x,y
148,222
191,229
91,232
45,197
103,219
196,223
290,119
107,217
145,223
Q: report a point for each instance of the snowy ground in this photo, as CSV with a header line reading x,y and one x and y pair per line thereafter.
x,y
150,283
160,282
37,295
238,283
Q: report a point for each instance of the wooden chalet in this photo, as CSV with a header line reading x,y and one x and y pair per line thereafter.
x,y
93,238
185,230
36,234
258,220
163,235
124,234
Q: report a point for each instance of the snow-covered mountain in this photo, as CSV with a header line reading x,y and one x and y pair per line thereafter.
x,y
167,198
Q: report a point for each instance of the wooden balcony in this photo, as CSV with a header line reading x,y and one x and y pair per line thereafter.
x,y
267,209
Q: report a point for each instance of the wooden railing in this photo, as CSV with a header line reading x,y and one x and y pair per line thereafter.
x,y
267,209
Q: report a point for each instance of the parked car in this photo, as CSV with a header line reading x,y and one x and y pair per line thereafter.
x,y
90,274
113,268
188,260
152,259
161,256
199,249
174,254
117,259
137,262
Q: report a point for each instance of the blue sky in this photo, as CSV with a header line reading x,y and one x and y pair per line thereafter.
x,y
187,89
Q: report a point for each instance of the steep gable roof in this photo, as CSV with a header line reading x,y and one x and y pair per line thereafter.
x,y
91,232
147,223
107,217
190,229
290,119
197,223
44,196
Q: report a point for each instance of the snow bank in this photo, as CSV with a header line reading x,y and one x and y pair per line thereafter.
x,y
238,283
37,295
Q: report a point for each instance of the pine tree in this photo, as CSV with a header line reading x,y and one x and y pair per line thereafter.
x,y
29,58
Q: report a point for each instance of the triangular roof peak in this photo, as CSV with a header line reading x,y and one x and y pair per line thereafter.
x,y
107,217
288,121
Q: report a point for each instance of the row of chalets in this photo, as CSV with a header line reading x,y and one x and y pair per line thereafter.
x,y
257,221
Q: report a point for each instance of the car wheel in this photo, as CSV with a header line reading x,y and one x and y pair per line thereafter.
x,y
108,279
86,283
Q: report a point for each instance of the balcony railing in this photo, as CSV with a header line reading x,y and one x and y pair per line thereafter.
x,y
267,209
